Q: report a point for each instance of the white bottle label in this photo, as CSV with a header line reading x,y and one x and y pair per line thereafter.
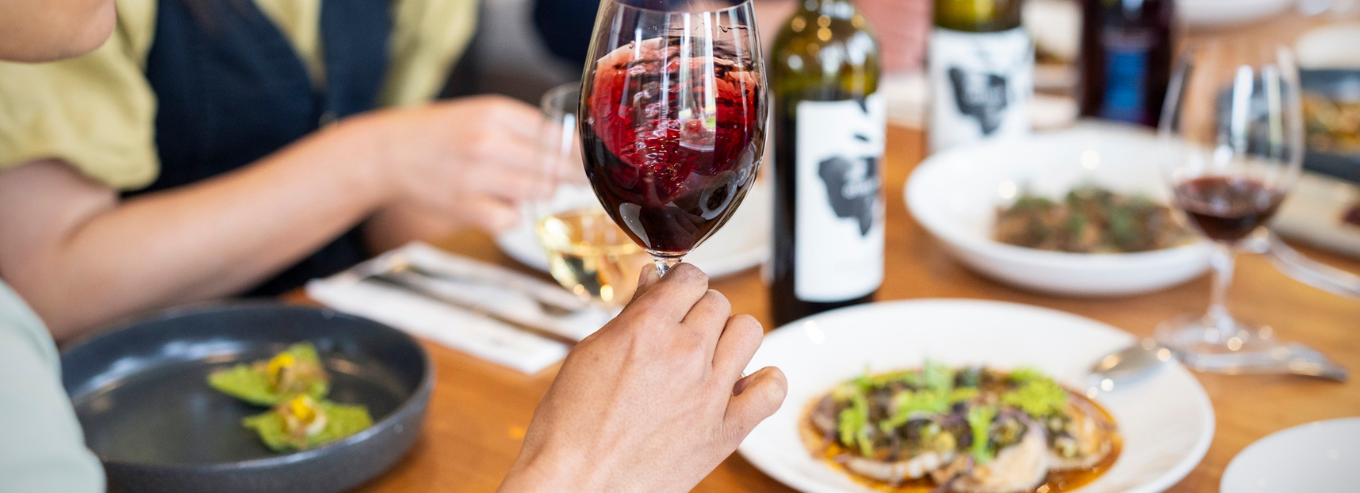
x,y
981,85
839,223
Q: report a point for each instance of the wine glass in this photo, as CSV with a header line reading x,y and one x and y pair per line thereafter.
x,y
1232,129
587,253
673,112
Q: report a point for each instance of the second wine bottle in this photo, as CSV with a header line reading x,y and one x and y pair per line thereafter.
x,y
830,124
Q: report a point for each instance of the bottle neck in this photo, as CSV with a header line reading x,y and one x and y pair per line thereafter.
x,y
977,15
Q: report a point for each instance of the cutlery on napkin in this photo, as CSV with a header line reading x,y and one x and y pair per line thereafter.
x,y
485,310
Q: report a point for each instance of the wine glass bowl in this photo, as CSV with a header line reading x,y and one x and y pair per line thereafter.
x,y
1232,132
673,118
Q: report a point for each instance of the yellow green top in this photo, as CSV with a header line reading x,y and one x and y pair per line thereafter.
x,y
98,111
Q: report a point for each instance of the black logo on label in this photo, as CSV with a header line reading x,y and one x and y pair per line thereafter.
x,y
852,187
981,95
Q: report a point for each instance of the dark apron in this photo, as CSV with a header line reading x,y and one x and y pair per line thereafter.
x,y
231,90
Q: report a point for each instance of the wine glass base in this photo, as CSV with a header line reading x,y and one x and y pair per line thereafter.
x,y
1218,344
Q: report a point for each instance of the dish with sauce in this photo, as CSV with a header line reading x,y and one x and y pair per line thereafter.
x,y
963,430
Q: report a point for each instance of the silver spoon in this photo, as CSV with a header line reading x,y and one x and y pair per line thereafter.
x,y
1126,365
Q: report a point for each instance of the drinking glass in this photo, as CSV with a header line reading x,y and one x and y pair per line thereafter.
x,y
587,253
1232,130
673,112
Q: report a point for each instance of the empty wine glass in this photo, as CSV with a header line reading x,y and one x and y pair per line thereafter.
x,y
1232,130
673,118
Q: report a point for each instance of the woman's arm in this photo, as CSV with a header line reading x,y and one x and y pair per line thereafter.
x,y
82,257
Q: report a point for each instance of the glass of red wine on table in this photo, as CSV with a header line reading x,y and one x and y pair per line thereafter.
x,y
673,113
1232,130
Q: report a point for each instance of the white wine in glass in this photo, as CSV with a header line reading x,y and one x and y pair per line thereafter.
x,y
587,252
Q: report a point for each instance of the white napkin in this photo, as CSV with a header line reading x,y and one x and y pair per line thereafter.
x,y
456,327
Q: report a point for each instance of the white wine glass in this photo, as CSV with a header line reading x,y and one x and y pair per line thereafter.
x,y
587,253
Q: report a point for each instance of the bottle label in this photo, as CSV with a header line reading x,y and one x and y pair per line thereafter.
x,y
839,221
1126,64
982,84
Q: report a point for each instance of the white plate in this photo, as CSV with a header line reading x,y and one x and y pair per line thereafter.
x,y
1319,457
742,243
1314,210
1166,420
954,195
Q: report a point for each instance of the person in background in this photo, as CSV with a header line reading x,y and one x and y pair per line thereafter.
x,y
214,148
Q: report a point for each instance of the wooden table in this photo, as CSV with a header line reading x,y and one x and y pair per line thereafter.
x,y
479,411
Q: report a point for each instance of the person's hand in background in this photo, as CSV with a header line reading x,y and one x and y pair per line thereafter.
x,y
469,161
654,400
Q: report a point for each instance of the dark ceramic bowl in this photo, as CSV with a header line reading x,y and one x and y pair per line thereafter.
x,y
141,394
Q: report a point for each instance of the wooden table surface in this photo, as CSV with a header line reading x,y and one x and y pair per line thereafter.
x,y
479,411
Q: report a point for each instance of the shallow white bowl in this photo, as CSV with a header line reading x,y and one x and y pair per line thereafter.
x,y
1166,419
954,195
1318,457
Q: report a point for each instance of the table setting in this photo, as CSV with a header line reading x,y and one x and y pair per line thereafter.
x,y
1147,305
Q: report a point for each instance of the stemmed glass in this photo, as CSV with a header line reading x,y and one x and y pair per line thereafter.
x,y
587,253
673,118
1232,129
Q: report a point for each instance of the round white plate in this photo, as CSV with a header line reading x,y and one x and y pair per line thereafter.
x,y
1318,457
742,243
1166,419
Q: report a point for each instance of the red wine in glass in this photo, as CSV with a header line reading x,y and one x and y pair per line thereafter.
x,y
672,143
1227,208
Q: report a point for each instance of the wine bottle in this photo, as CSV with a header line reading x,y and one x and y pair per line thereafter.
x,y
981,68
830,124
1125,59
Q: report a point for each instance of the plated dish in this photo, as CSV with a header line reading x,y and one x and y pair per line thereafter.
x,y
1331,110
1090,219
1164,422
142,396
294,385
955,194
971,429
1332,124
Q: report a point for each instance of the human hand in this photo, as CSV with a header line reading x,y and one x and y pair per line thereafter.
x,y
470,160
654,400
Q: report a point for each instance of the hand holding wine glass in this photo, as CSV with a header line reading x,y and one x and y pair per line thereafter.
x,y
1233,131
673,118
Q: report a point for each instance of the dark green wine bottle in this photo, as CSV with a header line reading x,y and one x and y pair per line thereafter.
x,y
981,66
830,124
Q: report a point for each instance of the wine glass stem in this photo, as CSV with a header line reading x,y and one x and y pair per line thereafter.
x,y
1222,262
664,264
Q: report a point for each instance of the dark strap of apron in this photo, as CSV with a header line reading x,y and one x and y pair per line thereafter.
x,y
231,90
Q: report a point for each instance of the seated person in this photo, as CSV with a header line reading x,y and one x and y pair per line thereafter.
x,y
221,147
636,407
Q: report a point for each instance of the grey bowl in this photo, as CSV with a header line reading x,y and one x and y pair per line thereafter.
x,y
141,395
